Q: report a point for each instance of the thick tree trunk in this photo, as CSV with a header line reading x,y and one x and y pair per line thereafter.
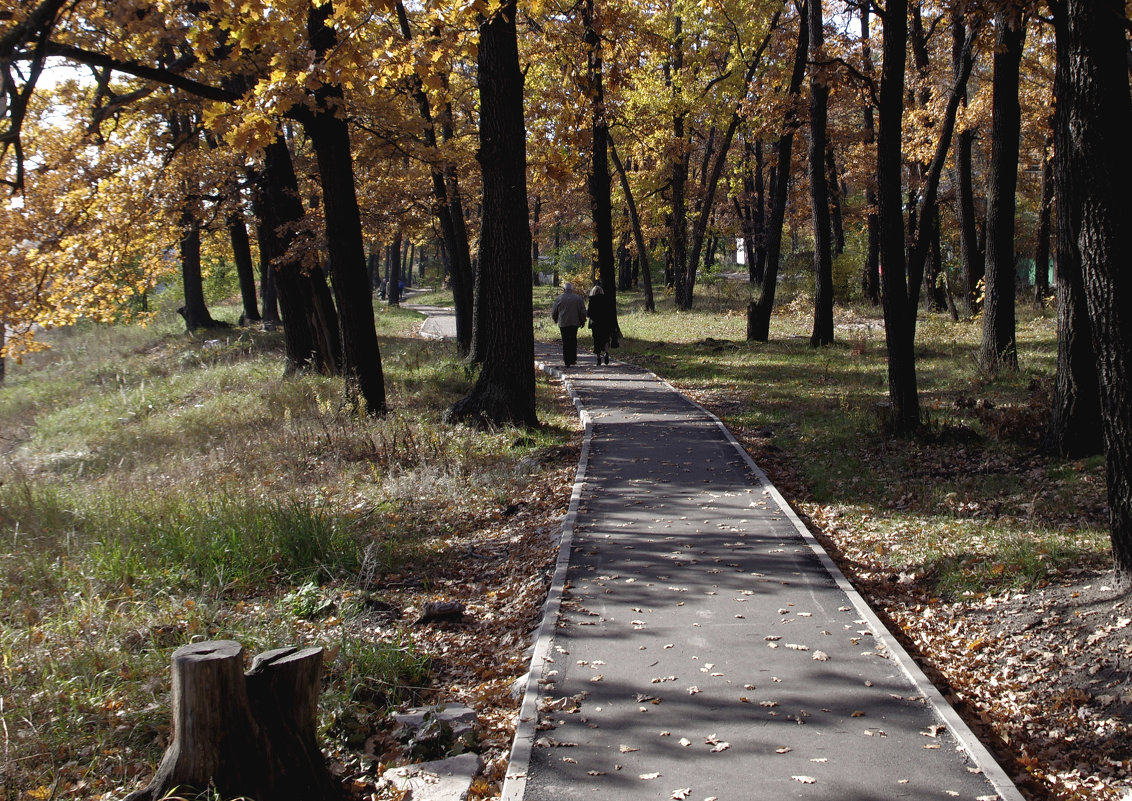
x,y
899,308
361,355
999,348
505,389
758,311
240,735
1075,422
822,333
195,311
1100,115
310,322
242,255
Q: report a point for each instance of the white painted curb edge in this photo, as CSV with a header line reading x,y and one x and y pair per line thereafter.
x,y
515,782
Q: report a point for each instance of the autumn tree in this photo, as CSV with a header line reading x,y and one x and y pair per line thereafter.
x,y
819,183
759,310
505,389
999,348
1099,112
1074,428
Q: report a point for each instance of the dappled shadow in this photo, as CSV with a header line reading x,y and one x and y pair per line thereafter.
x,y
696,615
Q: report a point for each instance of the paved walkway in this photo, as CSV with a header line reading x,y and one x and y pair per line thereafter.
x,y
698,642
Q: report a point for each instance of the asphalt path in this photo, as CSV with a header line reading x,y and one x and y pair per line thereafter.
x,y
699,644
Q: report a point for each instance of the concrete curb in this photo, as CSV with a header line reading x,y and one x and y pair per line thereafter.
x,y
515,782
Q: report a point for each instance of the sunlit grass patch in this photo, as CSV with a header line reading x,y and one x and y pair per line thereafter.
x,y
158,488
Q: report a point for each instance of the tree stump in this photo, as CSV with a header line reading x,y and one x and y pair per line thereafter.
x,y
250,735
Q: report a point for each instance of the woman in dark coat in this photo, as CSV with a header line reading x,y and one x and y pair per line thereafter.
x,y
602,321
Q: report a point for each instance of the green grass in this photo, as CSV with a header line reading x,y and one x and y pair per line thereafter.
x,y
158,488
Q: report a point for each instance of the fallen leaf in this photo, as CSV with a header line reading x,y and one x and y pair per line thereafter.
x,y
625,749
934,730
681,793
857,714
782,749
804,779
684,741
650,776
821,656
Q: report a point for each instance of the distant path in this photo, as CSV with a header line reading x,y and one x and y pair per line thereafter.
x,y
440,322
700,644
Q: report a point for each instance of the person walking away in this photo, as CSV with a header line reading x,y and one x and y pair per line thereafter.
x,y
600,313
569,312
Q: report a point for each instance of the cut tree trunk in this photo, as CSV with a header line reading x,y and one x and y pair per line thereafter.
x,y
247,735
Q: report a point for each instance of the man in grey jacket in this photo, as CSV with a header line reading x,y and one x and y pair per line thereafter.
x,y
569,311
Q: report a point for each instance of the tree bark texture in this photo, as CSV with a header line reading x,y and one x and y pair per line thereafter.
x,y
759,310
250,735
361,355
999,348
1100,115
195,311
899,309
822,333
505,389
1075,421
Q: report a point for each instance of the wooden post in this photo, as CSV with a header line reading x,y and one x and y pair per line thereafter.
x,y
243,735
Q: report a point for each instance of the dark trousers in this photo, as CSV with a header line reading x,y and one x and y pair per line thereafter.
x,y
569,344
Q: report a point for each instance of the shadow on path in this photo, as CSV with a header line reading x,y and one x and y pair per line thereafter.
x,y
699,644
